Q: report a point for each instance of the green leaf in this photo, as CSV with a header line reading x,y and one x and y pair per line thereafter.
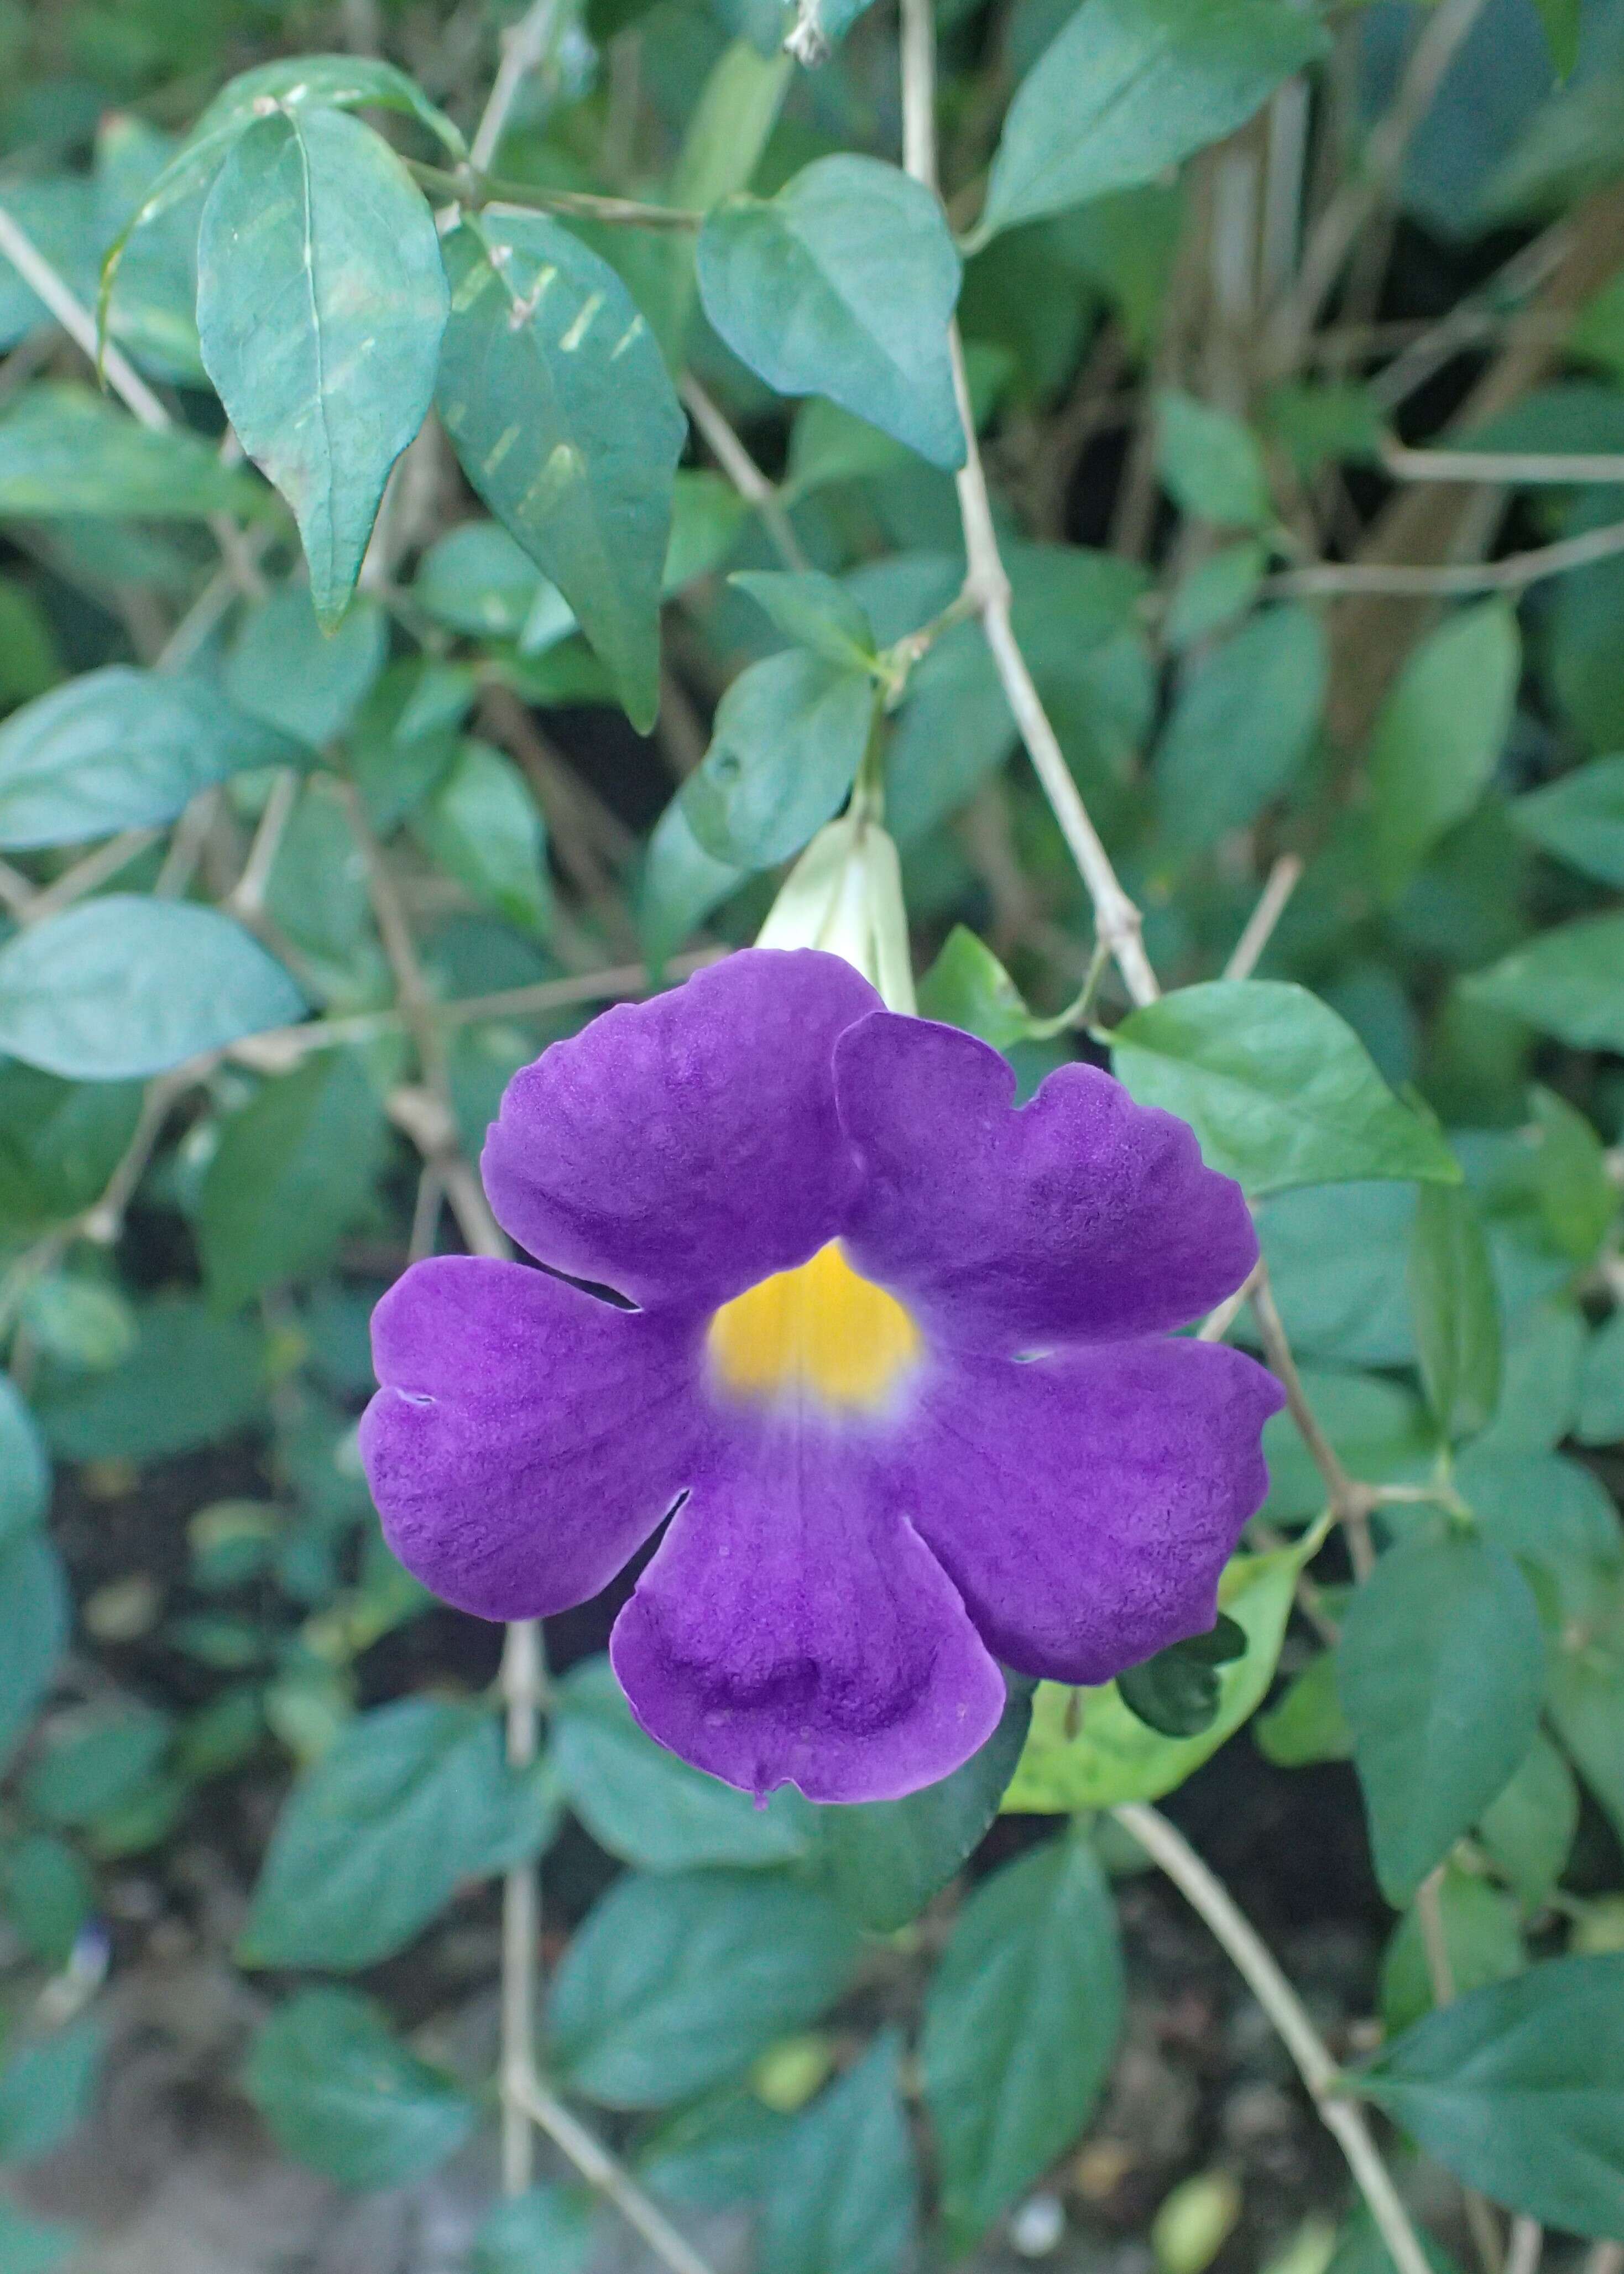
x,y
737,110
1528,1828
344,2097
1210,463
1278,1088
674,1984
33,2246
966,986
306,682
1129,88
67,451
1021,2021
120,749
815,612
321,299
1601,1387
47,1895
1480,1935
96,1762
292,1171
1214,593
1519,2091
121,986
1243,722
1568,982
1441,1671
1087,1749
191,1378
482,825
478,580
34,1616
45,2090
1438,736
844,2195
716,2152
1577,1198
1580,819
413,1799
547,2230
1379,1428
1555,1516
645,1805
1178,1693
1456,1311
680,883
1308,1725
787,739
1562,21
25,1465
884,1860
1587,1705
844,285
1336,1254
560,410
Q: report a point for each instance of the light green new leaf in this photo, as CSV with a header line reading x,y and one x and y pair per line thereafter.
x,y
34,1616
1087,1749
1580,818
844,285
1568,982
481,824
564,417
292,1171
1561,19
645,2008
1308,1725
649,1808
321,299
1021,2021
1243,722
1279,1090
1210,463
966,986
342,2095
1519,2091
123,986
413,1799
1438,736
1129,88
844,2188
1456,1311
785,744
121,748
1440,1671
67,450
737,110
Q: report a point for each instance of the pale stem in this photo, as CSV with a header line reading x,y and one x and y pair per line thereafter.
x,y
1526,2246
1283,881
1255,1962
247,897
521,1682
1460,580
1351,1500
85,875
1551,469
601,2170
1441,1972
524,49
742,470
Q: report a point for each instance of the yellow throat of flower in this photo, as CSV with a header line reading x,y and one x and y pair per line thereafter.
x,y
821,1329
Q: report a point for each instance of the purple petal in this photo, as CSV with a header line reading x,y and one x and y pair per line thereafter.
x,y
793,1627
681,1149
1082,1216
1085,1504
528,1439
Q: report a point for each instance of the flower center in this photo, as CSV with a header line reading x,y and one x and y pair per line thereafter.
x,y
821,1327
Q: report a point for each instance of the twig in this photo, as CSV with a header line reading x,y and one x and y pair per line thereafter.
x,y
1441,1972
1256,1964
477,191
524,48
1217,1324
1525,468
1284,879
611,2178
247,897
522,1675
1526,2246
742,470
1351,1500
1604,2258
1511,575
85,875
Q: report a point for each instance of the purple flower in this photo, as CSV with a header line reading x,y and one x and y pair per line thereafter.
x,y
900,1362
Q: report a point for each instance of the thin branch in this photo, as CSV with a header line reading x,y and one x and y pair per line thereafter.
x,y
1351,1500
1256,1964
1284,879
1511,574
477,191
524,49
523,1677
1554,469
87,875
1526,2247
742,470
610,2177
247,897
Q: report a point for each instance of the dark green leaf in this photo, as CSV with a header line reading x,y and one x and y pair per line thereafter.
x,y
1129,88
1456,1311
1568,982
1243,722
34,1616
554,395
1601,1392
45,2090
120,749
94,1763
785,744
681,883
47,1892
844,2195
1519,2091
844,285
480,823
1561,20
645,1805
815,612
674,1984
309,683
1481,1939
1578,1197
548,2229
342,2095
1587,1705
1580,818
1277,1087
66,450
121,986
1529,1827
1021,2021
413,1799
321,299
292,1171
1178,1693
25,1466
190,1378
1438,736
1441,1672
